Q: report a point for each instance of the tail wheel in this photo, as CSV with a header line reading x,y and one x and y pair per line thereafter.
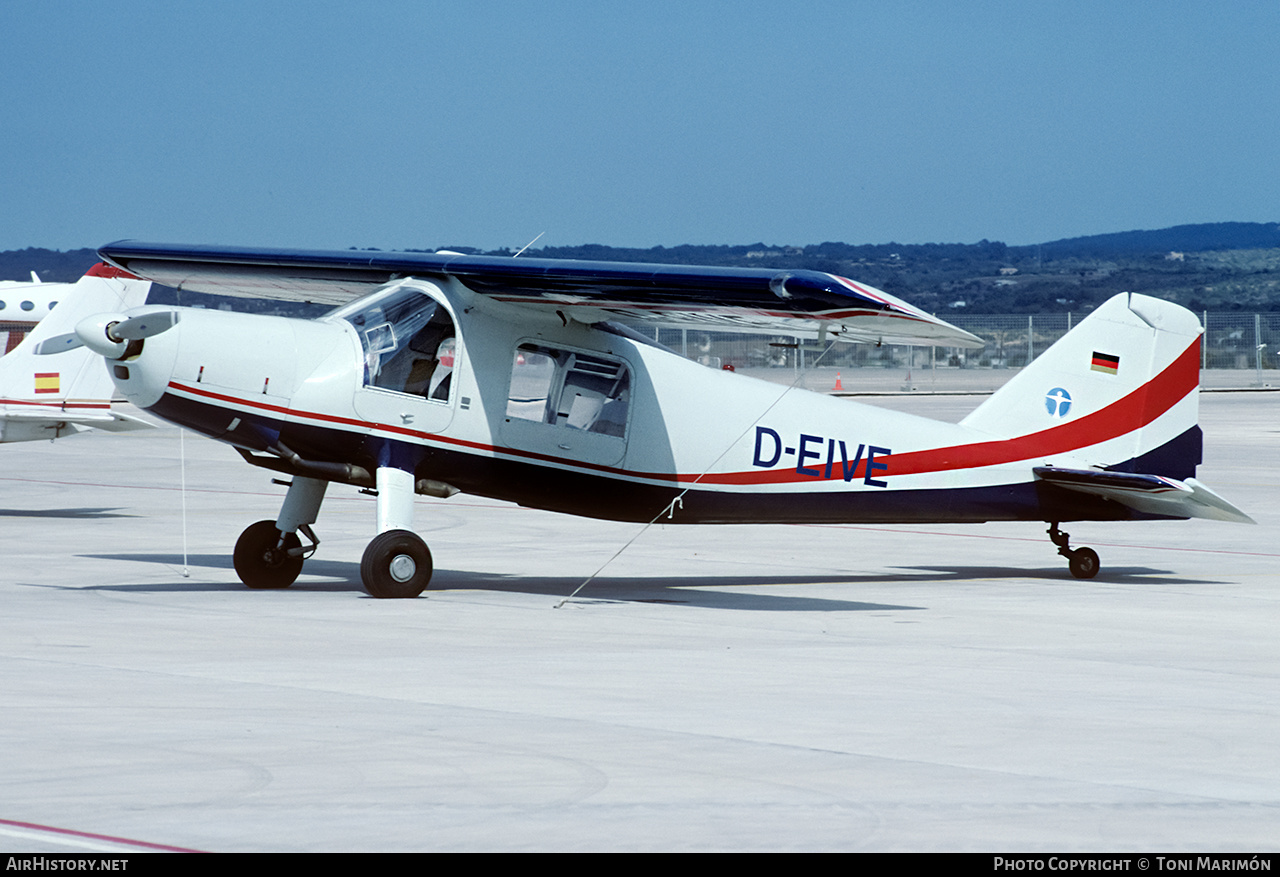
x,y
262,562
1084,563
396,564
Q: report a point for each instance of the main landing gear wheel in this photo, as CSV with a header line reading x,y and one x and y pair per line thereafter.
x,y
396,564
1083,562
262,562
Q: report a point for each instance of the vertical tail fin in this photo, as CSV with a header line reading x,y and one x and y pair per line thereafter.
x,y
46,396
1123,385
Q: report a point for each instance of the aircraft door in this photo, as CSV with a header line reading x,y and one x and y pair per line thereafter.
x,y
568,404
411,356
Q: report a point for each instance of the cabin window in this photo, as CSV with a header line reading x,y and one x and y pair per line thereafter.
x,y
410,345
575,390
532,375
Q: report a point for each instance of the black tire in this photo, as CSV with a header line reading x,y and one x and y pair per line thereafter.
x,y
396,564
259,563
1084,563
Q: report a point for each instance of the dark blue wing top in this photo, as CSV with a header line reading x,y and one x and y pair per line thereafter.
x,y
740,299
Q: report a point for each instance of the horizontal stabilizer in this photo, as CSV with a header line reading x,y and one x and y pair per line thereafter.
x,y
1150,494
120,423
39,424
110,421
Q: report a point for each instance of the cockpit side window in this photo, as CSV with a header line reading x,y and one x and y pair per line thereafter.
x,y
575,390
409,341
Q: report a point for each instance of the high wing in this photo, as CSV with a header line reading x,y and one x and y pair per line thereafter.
x,y
732,299
1151,494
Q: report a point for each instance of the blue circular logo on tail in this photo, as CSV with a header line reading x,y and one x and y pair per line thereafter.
x,y
1057,402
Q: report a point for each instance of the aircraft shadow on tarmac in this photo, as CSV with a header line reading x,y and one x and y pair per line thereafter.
x,y
84,514
1115,575
702,591
688,591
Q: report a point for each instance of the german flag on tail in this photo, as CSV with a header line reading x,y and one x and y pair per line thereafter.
x,y
1105,363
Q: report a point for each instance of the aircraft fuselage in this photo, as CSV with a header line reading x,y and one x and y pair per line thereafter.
x,y
557,414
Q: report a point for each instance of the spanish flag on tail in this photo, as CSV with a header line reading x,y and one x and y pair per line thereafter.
x,y
47,382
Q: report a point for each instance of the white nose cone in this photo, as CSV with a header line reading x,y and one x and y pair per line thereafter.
x,y
95,333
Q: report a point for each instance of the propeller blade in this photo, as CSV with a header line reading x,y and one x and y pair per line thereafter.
x,y
58,343
137,328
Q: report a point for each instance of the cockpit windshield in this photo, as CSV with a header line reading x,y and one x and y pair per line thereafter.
x,y
408,339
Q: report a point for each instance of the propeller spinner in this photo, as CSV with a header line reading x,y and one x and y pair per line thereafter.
x,y
109,335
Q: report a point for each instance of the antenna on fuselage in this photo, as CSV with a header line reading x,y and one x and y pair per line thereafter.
x,y
528,245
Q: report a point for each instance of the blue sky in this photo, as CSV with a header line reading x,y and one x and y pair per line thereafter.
x,y
420,124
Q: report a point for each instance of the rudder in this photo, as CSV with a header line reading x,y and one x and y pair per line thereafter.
x,y
71,375
1120,391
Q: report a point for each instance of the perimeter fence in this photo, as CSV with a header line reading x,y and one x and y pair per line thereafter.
x,y
1238,351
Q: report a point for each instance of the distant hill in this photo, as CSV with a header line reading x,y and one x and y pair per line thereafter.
x,y
53,266
1180,238
1223,266
66,266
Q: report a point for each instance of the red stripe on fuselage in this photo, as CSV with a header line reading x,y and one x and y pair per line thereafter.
x,y
1134,411
364,425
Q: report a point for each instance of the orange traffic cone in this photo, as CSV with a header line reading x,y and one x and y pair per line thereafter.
x,y
838,386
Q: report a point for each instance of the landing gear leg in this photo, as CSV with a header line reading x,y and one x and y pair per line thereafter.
x,y
397,562
302,507
269,554
1083,562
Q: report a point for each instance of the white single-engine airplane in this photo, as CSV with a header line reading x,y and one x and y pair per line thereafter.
x,y
505,377
46,399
